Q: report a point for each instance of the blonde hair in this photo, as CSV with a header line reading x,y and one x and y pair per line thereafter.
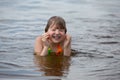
x,y
56,20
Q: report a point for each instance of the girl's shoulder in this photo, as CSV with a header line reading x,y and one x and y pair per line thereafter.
x,y
39,38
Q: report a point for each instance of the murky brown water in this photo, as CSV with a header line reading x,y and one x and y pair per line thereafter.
x,y
93,24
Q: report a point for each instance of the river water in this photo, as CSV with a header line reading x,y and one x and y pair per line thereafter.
x,y
93,24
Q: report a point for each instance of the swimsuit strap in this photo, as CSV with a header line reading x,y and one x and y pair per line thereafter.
x,y
59,50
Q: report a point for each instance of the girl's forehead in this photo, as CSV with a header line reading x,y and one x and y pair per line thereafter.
x,y
55,26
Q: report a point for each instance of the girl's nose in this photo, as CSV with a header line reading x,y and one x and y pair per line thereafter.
x,y
57,31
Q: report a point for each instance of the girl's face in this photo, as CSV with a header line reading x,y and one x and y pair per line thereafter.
x,y
56,34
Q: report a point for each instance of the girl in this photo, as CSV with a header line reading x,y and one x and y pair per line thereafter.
x,y
54,41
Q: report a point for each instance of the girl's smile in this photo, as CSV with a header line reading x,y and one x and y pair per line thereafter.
x,y
56,36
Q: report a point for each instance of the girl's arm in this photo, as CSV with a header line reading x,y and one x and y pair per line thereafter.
x,y
42,45
38,46
44,51
67,46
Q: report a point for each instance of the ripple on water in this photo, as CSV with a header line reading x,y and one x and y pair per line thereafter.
x,y
110,42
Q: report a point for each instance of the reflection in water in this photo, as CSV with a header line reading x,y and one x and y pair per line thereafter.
x,y
53,65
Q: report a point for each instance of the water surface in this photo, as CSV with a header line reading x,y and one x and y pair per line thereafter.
x,y
93,24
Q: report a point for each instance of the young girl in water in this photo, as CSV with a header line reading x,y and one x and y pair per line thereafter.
x,y
54,41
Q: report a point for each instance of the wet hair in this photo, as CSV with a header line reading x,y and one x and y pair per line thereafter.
x,y
56,20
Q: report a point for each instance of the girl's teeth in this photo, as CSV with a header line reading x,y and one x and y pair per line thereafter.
x,y
56,36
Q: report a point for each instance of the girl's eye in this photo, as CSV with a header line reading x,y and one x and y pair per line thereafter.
x,y
53,29
61,30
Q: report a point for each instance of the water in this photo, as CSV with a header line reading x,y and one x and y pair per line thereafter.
x,y
93,24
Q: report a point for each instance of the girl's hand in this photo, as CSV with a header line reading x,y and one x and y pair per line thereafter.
x,y
45,39
67,41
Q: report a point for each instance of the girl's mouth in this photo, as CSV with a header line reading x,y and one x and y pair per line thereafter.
x,y
58,36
